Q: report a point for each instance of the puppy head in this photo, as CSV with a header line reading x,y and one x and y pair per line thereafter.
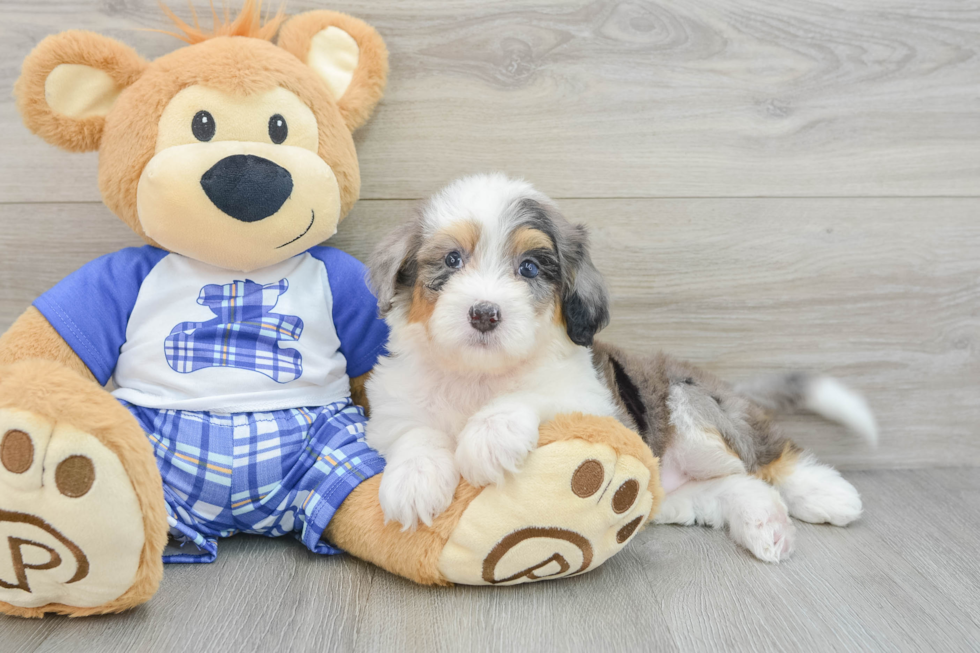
x,y
488,273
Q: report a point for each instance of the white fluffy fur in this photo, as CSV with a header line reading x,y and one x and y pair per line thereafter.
x,y
449,393
751,509
818,494
833,400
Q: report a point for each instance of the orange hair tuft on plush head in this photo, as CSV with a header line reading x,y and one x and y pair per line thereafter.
x,y
248,22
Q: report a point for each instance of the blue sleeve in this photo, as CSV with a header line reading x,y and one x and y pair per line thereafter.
x,y
363,334
90,308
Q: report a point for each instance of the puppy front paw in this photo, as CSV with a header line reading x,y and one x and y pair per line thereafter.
x,y
418,488
494,442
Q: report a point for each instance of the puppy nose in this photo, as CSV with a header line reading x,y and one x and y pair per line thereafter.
x,y
484,316
246,187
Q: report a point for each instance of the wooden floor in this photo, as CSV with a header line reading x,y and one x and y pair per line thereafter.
x,y
770,186
905,578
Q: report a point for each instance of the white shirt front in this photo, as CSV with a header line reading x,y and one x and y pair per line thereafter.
x,y
205,338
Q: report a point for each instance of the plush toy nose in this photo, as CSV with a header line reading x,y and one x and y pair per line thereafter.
x,y
246,187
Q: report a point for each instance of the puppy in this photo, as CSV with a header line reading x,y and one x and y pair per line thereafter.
x,y
493,302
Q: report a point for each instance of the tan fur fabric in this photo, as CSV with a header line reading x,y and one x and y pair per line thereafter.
x,y
31,336
358,392
50,390
606,430
368,84
116,59
358,527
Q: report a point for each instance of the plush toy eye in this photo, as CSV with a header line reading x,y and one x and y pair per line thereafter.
x,y
528,269
203,126
278,129
454,260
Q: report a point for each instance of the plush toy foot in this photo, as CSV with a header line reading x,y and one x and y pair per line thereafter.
x,y
579,498
82,517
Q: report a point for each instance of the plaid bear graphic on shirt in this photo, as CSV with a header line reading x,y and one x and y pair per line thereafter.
x,y
245,333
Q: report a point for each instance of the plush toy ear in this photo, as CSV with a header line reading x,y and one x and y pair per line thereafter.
x,y
346,53
68,84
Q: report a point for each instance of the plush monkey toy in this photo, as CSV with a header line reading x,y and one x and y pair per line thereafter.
x,y
234,341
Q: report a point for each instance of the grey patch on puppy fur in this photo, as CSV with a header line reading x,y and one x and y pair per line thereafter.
x,y
584,298
780,393
393,263
745,427
648,376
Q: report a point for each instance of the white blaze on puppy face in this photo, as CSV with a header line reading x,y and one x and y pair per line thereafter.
x,y
479,253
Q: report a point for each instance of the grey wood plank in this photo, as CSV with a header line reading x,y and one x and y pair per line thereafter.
x,y
871,586
881,292
613,98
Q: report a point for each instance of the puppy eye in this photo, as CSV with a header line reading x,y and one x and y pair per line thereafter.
x,y
203,126
278,130
528,269
454,260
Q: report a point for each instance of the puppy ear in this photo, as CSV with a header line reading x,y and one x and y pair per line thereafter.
x,y
346,53
584,301
69,83
393,263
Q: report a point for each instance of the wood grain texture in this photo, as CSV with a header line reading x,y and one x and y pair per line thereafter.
x,y
903,578
614,99
884,293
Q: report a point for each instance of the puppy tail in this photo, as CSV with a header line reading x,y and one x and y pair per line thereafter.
x,y
822,395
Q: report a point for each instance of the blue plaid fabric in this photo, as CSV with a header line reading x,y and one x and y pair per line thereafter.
x,y
272,473
244,334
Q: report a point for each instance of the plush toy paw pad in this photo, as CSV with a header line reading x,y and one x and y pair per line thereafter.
x,y
71,530
573,505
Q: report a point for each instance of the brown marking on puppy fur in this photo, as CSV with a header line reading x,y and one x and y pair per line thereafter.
x,y
422,305
559,316
462,235
776,471
715,433
526,239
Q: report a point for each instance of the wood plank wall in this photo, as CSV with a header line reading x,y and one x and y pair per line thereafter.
x,y
770,185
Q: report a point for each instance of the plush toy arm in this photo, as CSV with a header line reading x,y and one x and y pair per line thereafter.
x,y
579,498
32,336
358,392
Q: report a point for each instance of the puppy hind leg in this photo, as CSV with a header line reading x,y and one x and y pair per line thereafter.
x,y
817,493
752,510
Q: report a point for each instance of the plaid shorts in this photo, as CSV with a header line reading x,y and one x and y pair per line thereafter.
x,y
285,471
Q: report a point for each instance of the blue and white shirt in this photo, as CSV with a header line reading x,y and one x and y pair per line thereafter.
x,y
176,333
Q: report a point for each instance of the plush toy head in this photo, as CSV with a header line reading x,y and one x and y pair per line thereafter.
x,y
232,151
